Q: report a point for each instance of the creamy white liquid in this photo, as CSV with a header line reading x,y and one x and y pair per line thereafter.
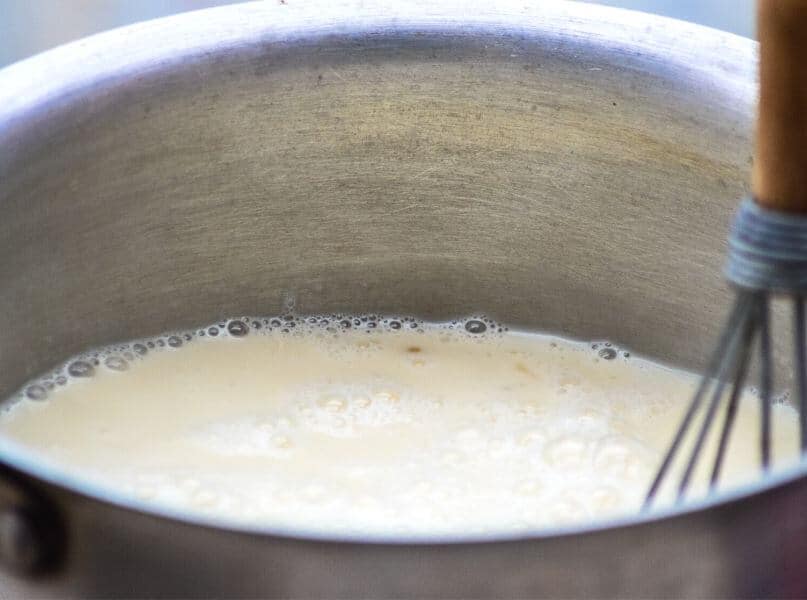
x,y
395,432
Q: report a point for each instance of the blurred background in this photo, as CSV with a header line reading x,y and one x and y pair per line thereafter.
x,y
31,26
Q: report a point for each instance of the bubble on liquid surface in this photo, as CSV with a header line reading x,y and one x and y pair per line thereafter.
x,y
475,326
281,441
174,341
116,363
36,392
237,328
567,452
607,353
81,368
333,403
606,499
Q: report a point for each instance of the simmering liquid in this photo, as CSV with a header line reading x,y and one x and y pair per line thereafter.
x,y
374,427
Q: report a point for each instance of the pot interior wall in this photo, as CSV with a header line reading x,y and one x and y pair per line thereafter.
x,y
547,180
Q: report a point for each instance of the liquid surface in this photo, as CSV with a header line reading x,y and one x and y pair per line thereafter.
x,y
386,429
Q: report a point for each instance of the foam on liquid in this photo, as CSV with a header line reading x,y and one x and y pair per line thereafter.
x,y
372,426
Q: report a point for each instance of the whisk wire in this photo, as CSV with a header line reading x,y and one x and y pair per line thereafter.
x,y
749,334
735,353
765,380
743,305
801,367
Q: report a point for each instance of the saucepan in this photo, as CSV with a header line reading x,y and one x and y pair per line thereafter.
x,y
561,166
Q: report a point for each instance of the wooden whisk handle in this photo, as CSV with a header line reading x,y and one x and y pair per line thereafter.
x,y
780,163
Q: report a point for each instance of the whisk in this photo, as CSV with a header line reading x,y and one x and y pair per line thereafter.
x,y
767,252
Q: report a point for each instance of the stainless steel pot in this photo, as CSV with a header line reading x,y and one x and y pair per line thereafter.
x,y
560,166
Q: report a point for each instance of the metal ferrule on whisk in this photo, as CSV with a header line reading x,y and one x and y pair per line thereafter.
x,y
767,250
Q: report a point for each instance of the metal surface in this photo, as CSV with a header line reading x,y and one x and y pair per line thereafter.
x,y
559,166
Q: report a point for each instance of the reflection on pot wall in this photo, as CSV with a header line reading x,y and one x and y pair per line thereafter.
x,y
30,26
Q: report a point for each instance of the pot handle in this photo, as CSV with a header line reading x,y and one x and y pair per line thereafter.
x,y
780,164
32,532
